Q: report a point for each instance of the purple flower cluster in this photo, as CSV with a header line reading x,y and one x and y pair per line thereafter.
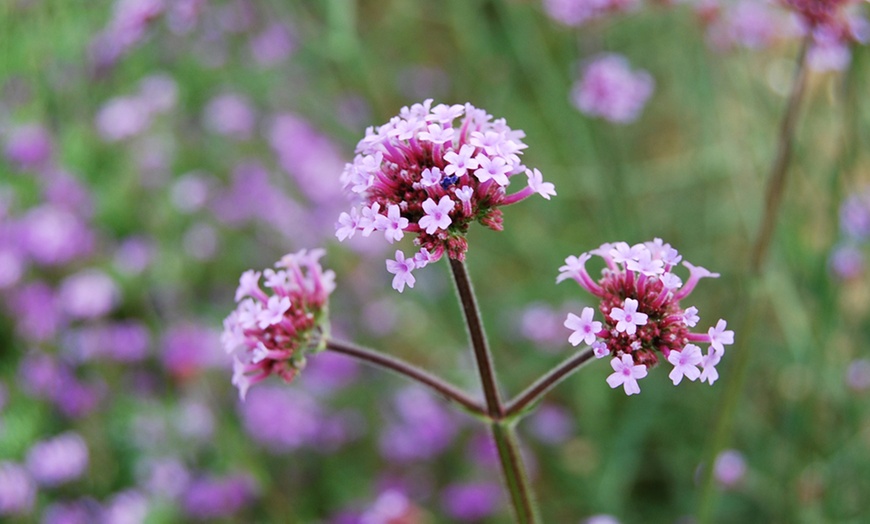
x,y
609,89
424,174
271,334
640,300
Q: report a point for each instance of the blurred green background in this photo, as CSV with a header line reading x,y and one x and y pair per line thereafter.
x,y
691,170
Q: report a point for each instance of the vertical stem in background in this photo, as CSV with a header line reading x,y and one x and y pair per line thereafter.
x,y
772,199
776,180
515,477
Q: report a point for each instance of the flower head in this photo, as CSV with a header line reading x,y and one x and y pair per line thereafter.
x,y
270,333
643,319
433,171
611,90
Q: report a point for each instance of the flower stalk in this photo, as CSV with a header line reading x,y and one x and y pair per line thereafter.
x,y
779,168
513,469
543,385
409,371
758,255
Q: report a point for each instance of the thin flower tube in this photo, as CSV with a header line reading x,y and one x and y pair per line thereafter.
x,y
644,321
431,172
272,330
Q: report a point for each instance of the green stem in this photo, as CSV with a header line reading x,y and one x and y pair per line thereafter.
x,y
514,472
409,371
547,382
515,477
758,255
478,339
779,168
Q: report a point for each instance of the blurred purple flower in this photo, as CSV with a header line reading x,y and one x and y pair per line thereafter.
x,y
65,191
190,192
829,51
578,12
858,374
609,89
551,424
601,519
58,460
90,293
37,313
41,376
183,15
328,371
231,115
237,16
280,418
122,118
134,255
273,45
380,316
194,420
310,157
82,511
471,502
846,262
855,215
38,374
74,398
337,429
130,19
729,468
252,196
753,25
158,93
482,451
217,497
166,477
12,265
153,155
424,429
29,147
189,348
391,507
17,490
200,241
126,341
126,507
127,27
54,236
542,325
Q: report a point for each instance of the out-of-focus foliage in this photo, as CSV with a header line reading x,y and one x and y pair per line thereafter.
x,y
154,150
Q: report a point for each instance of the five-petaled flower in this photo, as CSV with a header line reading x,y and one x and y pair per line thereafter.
x,y
432,172
585,329
643,320
272,334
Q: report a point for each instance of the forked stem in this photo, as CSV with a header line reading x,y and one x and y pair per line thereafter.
x,y
515,477
543,385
